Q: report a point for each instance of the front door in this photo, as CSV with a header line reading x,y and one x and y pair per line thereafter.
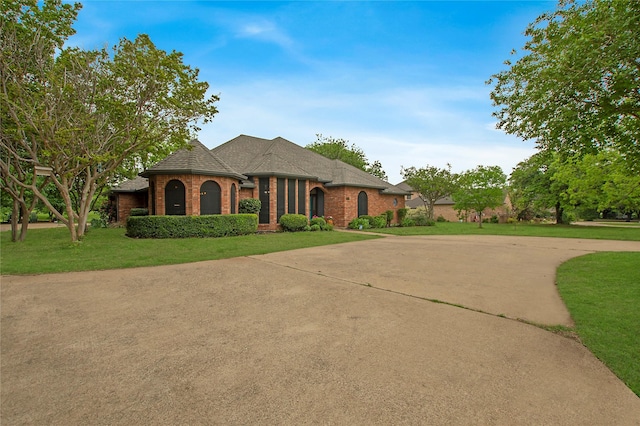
x,y
210,195
174,203
316,201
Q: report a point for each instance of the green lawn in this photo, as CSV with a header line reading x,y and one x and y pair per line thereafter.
x,y
522,230
50,250
602,290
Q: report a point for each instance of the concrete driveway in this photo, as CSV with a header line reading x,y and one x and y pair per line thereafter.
x,y
345,334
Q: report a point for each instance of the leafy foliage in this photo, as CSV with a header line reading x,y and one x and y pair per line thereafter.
x,y
575,90
249,205
479,189
431,183
90,116
294,222
191,226
339,149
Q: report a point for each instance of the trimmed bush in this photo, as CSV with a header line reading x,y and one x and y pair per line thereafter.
x,y
376,221
359,223
139,211
249,206
293,222
191,226
441,219
315,227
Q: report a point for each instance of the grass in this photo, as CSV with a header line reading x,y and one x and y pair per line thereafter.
x,y
50,250
521,230
602,292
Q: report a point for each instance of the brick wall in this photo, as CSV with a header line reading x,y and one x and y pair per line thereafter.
x,y
128,201
192,185
339,202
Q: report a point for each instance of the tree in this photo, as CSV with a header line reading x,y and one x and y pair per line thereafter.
x,y
339,149
93,115
30,36
576,89
600,182
479,189
431,183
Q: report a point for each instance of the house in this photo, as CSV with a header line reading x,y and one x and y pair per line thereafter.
x,y
444,207
285,177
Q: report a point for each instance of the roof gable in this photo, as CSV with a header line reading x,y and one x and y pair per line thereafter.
x,y
256,156
194,159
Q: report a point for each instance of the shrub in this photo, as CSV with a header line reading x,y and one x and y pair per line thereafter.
x,y
138,211
191,226
317,221
249,205
406,222
293,222
495,219
315,227
402,213
33,217
389,216
375,221
98,223
359,223
422,219
441,219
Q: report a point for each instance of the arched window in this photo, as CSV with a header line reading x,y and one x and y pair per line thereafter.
x,y
363,204
233,198
210,196
174,199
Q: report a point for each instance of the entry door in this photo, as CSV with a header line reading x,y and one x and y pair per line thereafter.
x,y
264,200
174,198
210,195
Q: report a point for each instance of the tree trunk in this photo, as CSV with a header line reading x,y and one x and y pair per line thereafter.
x,y
15,213
480,219
24,225
559,213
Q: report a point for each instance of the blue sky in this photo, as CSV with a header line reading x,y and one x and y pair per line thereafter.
x,y
404,81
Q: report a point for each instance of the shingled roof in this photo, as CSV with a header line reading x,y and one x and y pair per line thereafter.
x,y
279,157
139,184
195,159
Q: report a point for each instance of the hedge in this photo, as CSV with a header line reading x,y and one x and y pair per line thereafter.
x,y
191,226
293,222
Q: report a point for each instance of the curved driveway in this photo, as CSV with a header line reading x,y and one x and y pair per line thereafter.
x,y
344,334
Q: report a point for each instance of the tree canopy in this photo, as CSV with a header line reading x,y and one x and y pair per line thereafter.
x,y
575,90
479,189
88,116
431,183
339,149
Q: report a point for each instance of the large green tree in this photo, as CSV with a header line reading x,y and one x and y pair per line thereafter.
x,y
339,149
431,183
575,88
29,37
479,189
92,115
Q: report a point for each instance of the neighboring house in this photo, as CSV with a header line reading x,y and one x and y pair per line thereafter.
x,y
445,207
285,177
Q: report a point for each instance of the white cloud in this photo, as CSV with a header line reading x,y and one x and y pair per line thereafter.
x,y
405,126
